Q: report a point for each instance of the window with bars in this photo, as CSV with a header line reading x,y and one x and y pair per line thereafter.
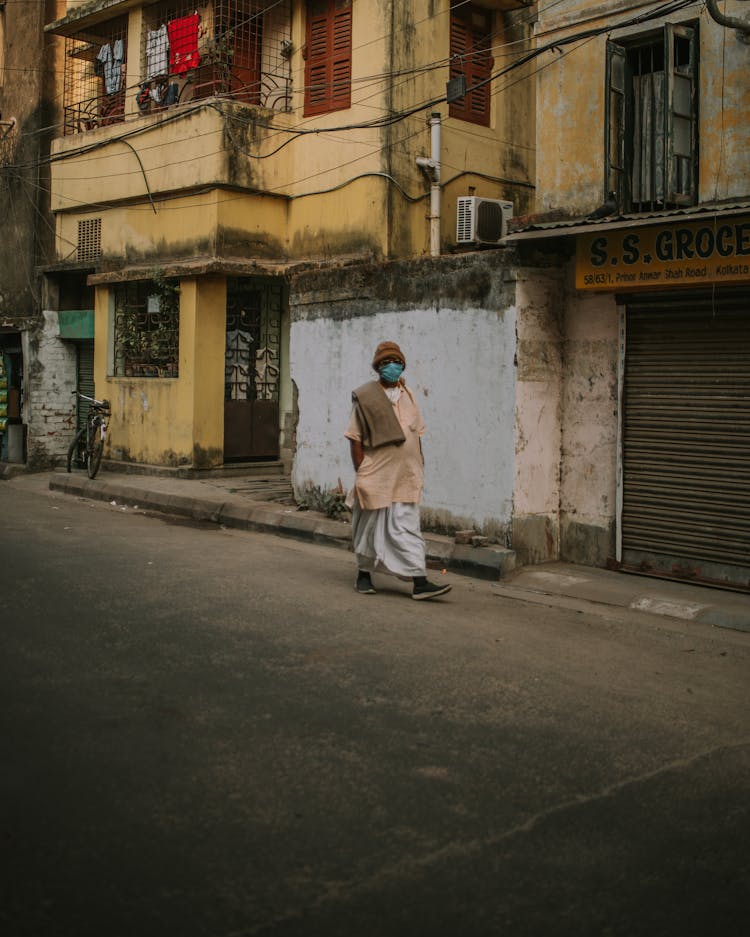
x,y
238,49
147,329
328,56
89,239
94,77
651,137
470,57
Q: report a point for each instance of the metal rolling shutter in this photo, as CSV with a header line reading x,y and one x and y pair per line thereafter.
x,y
84,377
686,437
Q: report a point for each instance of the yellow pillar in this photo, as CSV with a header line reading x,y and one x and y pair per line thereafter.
x,y
203,303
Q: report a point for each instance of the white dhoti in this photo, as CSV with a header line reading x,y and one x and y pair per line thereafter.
x,y
389,540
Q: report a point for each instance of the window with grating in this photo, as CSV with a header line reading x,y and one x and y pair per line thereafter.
x,y
90,239
651,143
237,49
147,329
94,77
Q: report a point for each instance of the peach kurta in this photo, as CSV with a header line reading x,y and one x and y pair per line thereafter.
x,y
391,473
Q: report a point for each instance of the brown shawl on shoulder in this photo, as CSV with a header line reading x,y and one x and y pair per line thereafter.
x,y
380,426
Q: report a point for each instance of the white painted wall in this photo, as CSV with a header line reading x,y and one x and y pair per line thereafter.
x,y
460,365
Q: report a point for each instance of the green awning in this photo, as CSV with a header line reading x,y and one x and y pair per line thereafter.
x,y
76,324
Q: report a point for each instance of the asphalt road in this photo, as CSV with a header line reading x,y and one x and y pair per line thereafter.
x,y
207,732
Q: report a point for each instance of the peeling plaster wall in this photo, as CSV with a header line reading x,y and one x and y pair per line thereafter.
x,y
566,421
48,407
589,430
724,130
538,426
459,365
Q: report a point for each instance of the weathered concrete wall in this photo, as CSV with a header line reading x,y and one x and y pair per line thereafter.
x,y
28,96
538,419
49,409
589,429
724,108
570,112
564,503
23,200
455,320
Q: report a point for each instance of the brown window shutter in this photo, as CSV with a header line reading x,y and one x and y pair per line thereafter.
x,y
328,67
341,93
470,43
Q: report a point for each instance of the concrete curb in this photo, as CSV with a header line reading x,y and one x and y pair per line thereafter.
x,y
564,583
241,513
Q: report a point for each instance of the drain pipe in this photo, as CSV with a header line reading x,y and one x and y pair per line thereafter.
x,y
730,22
431,168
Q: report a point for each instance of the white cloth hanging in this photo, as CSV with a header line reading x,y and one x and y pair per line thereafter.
x,y
157,52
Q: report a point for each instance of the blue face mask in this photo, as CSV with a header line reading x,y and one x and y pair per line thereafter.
x,y
391,372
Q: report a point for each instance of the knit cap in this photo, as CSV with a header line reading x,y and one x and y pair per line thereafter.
x,y
387,350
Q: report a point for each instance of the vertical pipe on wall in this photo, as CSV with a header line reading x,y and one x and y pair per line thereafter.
x,y
431,167
435,132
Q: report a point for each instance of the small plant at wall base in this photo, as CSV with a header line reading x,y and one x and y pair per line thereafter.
x,y
328,501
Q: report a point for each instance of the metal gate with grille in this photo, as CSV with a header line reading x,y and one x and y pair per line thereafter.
x,y
252,369
686,438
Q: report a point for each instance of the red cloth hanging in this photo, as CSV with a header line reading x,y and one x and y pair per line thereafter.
x,y
183,44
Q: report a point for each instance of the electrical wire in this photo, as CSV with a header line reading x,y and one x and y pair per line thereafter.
x,y
392,119
385,76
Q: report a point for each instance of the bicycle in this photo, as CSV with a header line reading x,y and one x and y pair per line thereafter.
x,y
88,444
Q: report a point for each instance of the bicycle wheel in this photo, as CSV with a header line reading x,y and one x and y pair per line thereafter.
x,y
95,453
77,450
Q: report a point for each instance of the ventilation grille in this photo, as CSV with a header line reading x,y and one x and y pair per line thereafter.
x,y
90,239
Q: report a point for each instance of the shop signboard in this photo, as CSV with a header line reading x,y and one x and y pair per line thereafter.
x,y
680,254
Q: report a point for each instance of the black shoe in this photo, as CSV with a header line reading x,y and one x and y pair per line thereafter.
x,y
428,590
364,584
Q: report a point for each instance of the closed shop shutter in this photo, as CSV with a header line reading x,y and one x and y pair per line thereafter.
x,y
686,437
84,378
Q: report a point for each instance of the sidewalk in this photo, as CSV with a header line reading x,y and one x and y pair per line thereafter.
x,y
263,503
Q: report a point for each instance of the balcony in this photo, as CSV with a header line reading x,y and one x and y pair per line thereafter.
x,y
126,59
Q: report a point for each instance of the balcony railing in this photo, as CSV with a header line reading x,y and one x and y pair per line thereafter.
x,y
237,49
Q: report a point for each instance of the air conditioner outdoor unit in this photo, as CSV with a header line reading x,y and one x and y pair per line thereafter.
x,y
482,220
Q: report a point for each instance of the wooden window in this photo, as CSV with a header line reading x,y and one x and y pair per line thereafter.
x,y
470,44
328,56
651,137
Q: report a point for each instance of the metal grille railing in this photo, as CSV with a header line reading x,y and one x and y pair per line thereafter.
x,y
94,78
238,49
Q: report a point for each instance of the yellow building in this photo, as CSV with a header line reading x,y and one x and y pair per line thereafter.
x,y
212,152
